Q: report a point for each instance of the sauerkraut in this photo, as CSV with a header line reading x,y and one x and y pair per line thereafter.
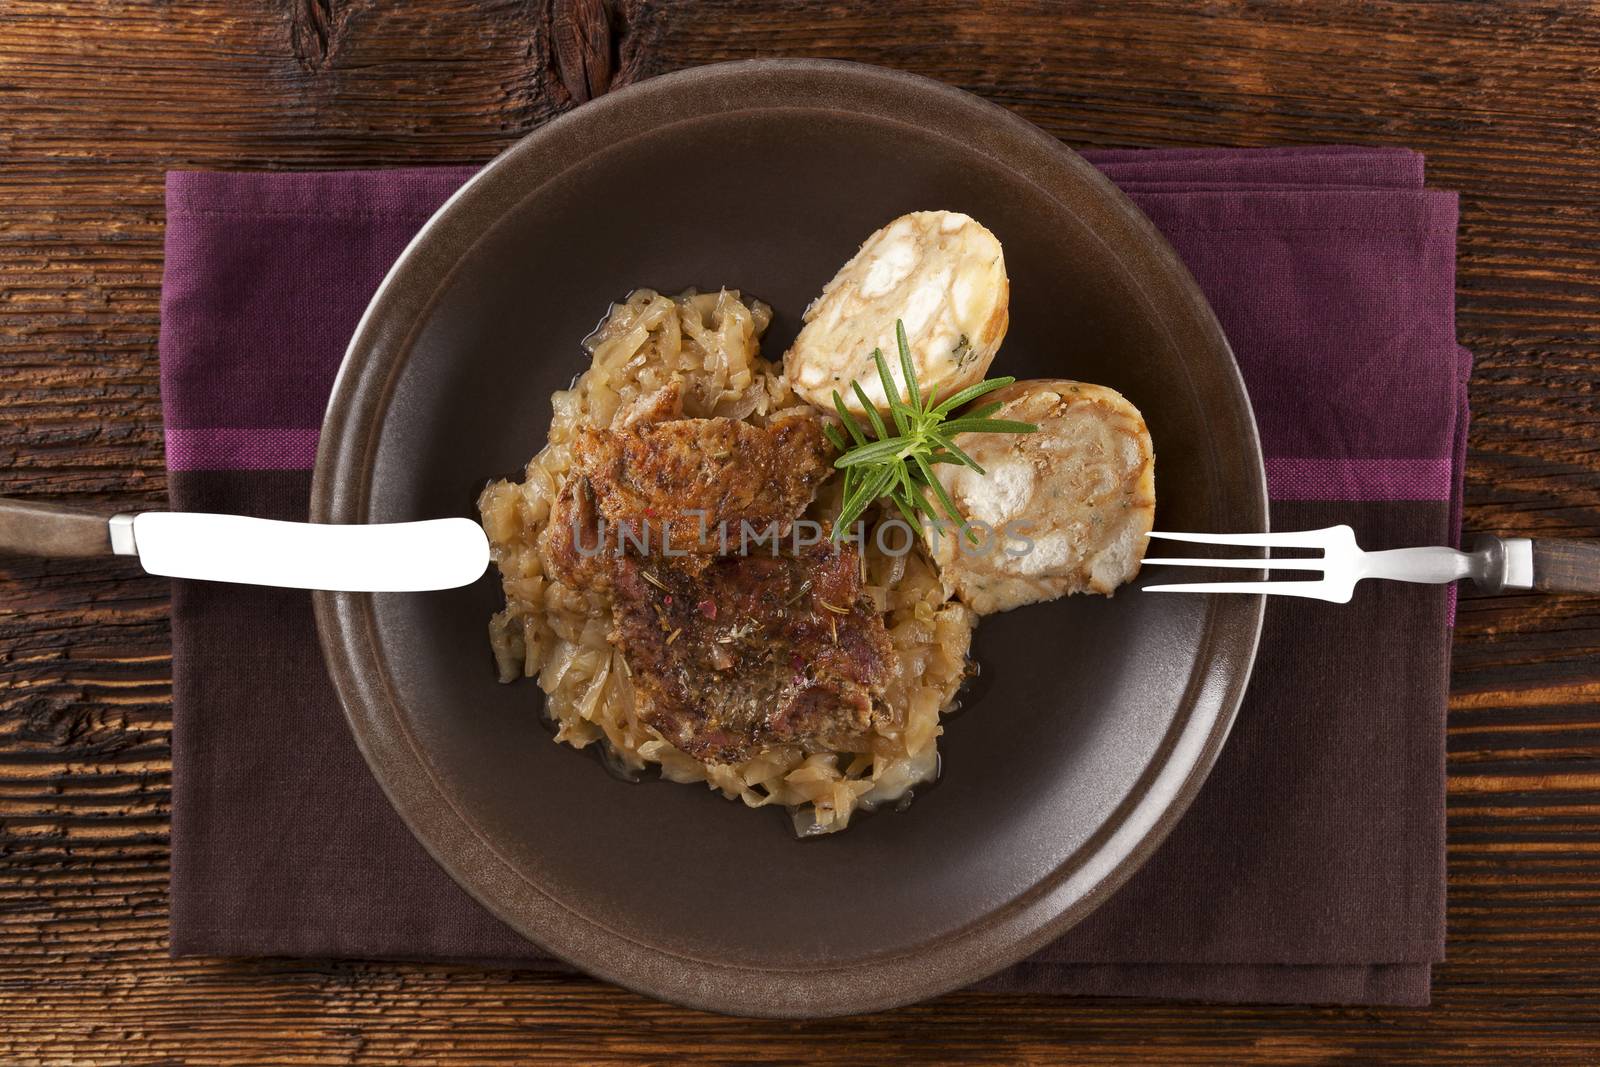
x,y
708,346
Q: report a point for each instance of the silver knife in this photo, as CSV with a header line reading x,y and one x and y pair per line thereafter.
x,y
381,557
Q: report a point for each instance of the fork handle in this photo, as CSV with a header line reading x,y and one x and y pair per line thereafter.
x,y
1566,565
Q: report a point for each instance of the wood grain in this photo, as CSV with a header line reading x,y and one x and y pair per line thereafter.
x,y
580,31
99,98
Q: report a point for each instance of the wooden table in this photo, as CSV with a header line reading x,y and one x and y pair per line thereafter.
x,y
99,98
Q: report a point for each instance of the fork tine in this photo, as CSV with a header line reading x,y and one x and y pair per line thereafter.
x,y
1318,590
1301,539
1312,563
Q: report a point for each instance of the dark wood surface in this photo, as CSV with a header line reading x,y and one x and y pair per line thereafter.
x,y
98,99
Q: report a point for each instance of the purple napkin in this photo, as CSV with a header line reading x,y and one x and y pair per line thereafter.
x,y
1311,867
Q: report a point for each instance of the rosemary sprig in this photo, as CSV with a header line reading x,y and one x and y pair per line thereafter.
x,y
898,461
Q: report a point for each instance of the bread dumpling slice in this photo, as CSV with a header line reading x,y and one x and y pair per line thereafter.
x,y
940,272
1070,505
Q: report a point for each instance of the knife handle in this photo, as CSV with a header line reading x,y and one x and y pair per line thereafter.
x,y
1562,565
32,529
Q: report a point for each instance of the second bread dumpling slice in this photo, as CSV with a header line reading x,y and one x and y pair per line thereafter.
x,y
1064,510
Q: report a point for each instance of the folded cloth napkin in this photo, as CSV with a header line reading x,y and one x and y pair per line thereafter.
x,y
1311,867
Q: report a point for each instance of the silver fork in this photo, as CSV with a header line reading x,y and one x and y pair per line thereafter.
x,y
1494,564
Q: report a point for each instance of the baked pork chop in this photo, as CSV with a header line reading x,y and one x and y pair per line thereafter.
x,y
754,651
729,651
684,486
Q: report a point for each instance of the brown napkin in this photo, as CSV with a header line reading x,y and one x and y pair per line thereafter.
x,y
1311,867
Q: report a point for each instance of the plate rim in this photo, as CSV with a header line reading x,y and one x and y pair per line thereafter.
x,y
347,630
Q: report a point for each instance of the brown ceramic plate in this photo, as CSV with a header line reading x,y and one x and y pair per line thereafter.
x,y
1096,720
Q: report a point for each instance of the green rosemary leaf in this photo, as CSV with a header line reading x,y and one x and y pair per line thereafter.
x,y
938,489
876,452
907,512
852,479
948,447
913,495
872,411
879,483
971,393
850,423
907,371
843,523
868,488
956,426
835,438
983,411
920,499
897,407
915,501
854,504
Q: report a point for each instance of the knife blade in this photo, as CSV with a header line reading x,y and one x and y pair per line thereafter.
x,y
375,558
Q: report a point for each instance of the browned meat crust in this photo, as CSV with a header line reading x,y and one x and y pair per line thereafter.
x,y
687,483
729,653
688,474
753,651
574,523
